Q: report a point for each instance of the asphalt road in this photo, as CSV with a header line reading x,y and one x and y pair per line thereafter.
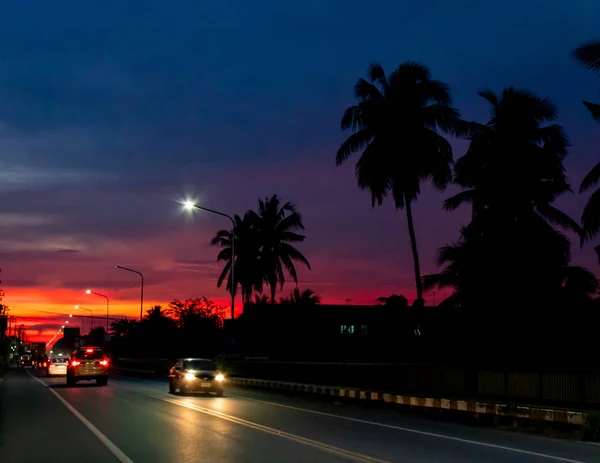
x,y
136,420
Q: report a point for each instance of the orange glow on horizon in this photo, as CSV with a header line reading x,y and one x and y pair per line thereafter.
x,y
56,307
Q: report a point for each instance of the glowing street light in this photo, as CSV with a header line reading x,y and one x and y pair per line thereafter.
x,y
89,291
190,206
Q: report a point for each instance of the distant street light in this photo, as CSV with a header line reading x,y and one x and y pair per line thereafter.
x,y
91,315
190,206
89,291
142,292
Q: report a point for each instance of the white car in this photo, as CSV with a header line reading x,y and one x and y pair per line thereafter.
x,y
57,366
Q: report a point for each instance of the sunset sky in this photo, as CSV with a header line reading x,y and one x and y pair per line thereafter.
x,y
112,111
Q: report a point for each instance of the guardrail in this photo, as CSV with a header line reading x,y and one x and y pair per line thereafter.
x,y
567,388
578,389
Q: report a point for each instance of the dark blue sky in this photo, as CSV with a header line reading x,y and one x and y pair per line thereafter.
x,y
111,109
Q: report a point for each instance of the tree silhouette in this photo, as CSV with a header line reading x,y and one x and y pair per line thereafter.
x,y
260,299
96,336
247,269
122,327
396,126
514,146
589,55
155,314
276,227
199,322
306,297
511,174
463,274
394,300
192,310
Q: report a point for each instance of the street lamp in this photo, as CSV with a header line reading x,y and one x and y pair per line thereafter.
x,y
89,291
190,206
91,314
142,292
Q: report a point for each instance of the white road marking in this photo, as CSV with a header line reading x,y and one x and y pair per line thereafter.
x,y
337,451
410,430
416,431
116,451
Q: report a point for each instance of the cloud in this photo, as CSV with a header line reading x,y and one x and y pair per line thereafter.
x,y
106,121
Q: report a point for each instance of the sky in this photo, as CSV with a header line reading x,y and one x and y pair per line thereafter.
x,y
111,111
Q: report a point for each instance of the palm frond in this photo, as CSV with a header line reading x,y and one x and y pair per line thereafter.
x,y
355,143
454,202
593,108
591,179
377,75
590,218
364,90
294,254
491,97
588,54
557,217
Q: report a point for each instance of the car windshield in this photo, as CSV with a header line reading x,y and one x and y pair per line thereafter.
x,y
199,365
94,355
60,360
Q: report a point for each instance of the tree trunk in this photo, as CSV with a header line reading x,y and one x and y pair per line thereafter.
x,y
415,252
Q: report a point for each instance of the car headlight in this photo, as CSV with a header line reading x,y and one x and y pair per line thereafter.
x,y
190,376
219,377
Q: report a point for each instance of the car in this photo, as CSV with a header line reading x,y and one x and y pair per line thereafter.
x,y
26,361
196,375
87,364
57,366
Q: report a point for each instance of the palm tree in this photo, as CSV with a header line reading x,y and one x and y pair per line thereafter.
x,y
155,313
306,297
514,164
275,227
394,300
465,272
511,174
247,270
396,126
588,54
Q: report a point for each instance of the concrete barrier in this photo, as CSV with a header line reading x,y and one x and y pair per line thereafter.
x,y
553,415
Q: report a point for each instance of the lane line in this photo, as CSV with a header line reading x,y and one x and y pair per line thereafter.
x,y
116,451
337,451
416,431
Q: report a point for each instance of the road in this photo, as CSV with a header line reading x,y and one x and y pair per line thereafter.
x,y
136,420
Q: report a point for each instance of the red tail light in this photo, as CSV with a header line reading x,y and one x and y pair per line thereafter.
x,y
104,362
74,363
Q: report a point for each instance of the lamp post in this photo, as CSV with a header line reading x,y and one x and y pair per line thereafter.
x,y
89,291
91,314
190,206
142,291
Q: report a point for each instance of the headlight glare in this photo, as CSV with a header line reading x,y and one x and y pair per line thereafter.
x,y
219,377
190,376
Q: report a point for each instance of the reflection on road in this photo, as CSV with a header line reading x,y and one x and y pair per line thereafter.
x,y
140,419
